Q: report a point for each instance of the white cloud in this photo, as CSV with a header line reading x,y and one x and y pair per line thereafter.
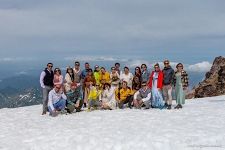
x,y
135,63
22,73
94,58
200,67
16,59
6,59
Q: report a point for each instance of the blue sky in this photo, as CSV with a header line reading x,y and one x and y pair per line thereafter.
x,y
190,31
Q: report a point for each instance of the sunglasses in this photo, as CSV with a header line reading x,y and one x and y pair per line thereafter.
x,y
166,63
50,66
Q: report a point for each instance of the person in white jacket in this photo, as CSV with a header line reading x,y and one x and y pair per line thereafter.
x,y
142,97
108,97
69,79
56,101
127,76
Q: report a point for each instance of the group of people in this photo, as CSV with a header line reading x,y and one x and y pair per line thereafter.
x,y
101,89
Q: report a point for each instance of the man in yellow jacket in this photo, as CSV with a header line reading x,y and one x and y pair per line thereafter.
x,y
124,95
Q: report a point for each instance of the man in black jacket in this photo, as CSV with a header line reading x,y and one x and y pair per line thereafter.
x,y
167,83
46,81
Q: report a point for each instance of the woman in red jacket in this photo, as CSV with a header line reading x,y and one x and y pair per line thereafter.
x,y
156,84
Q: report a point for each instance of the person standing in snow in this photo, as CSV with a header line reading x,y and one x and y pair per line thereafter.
x,y
127,76
168,73
46,82
145,74
56,101
85,71
136,83
97,74
77,79
142,96
156,84
117,68
77,73
114,78
181,85
88,81
58,78
104,76
69,79
138,72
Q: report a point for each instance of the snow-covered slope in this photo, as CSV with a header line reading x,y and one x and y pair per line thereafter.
x,y
200,125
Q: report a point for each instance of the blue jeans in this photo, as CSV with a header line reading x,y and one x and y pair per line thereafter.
x,y
60,105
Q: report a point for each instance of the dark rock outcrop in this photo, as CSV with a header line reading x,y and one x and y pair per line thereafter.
x,y
214,83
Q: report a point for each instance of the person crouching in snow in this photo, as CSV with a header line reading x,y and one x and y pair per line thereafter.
x,y
124,95
142,97
56,101
94,97
108,97
74,98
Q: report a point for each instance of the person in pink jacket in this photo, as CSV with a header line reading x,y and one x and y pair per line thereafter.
x,y
58,78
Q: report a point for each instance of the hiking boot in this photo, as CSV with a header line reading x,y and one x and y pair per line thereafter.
x,y
166,105
177,107
169,107
78,109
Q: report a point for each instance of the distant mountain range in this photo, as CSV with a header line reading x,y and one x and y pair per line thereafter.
x,y
19,91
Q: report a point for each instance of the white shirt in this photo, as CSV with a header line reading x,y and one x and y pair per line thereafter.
x,y
108,95
54,97
128,78
143,99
